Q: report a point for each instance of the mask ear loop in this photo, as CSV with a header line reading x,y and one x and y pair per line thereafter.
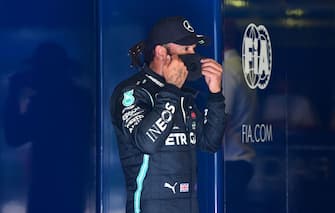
x,y
135,54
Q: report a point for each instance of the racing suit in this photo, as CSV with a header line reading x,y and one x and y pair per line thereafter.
x,y
158,128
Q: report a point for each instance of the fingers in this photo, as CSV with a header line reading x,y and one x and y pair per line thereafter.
x,y
168,60
210,66
212,72
175,71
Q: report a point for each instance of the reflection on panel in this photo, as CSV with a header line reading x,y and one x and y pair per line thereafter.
x,y
47,101
298,103
255,140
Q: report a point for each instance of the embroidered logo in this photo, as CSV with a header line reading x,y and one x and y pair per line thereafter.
x,y
128,98
188,26
173,188
184,187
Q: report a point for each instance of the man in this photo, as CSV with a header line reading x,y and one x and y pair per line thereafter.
x,y
158,126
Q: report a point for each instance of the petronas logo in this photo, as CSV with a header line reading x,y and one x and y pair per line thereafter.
x,y
128,98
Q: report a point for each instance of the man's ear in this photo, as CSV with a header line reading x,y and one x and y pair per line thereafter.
x,y
160,51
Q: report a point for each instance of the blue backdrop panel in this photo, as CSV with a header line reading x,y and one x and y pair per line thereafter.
x,y
255,181
44,165
295,171
124,23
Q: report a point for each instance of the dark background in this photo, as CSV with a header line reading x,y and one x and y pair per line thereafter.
x,y
294,173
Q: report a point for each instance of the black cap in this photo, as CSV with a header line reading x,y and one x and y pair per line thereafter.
x,y
174,29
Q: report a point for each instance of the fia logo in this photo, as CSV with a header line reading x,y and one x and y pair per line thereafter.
x,y
256,56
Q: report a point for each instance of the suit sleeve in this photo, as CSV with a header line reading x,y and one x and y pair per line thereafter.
x,y
212,125
143,118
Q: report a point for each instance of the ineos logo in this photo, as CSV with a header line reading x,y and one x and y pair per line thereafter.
x,y
256,56
188,26
166,116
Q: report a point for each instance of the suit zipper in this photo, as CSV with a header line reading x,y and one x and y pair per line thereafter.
x,y
184,113
182,109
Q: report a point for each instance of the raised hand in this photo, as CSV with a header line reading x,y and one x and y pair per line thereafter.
x,y
212,71
174,71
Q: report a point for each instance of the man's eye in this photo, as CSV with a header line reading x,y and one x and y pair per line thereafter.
x,y
186,48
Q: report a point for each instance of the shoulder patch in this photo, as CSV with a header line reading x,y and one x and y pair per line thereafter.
x,y
128,98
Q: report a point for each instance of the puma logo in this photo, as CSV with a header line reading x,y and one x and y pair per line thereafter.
x,y
173,188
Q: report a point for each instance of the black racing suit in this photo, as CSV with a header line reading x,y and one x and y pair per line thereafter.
x,y
158,129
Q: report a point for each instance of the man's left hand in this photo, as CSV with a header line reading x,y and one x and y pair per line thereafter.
x,y
212,71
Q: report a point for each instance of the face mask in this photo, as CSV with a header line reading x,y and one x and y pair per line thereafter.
x,y
193,65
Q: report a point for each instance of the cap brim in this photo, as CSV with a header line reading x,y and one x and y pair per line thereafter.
x,y
193,39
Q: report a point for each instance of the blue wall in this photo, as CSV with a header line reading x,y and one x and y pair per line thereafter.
x,y
67,26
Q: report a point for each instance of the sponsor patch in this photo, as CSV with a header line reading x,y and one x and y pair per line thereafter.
x,y
172,187
176,139
161,123
166,116
194,125
193,138
134,122
127,109
128,98
132,112
132,117
205,116
184,187
193,115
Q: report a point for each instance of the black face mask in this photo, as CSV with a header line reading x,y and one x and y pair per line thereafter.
x,y
193,65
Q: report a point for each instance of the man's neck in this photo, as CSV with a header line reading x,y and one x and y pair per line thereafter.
x,y
156,67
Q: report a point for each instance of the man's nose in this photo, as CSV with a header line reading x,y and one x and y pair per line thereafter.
x,y
191,51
